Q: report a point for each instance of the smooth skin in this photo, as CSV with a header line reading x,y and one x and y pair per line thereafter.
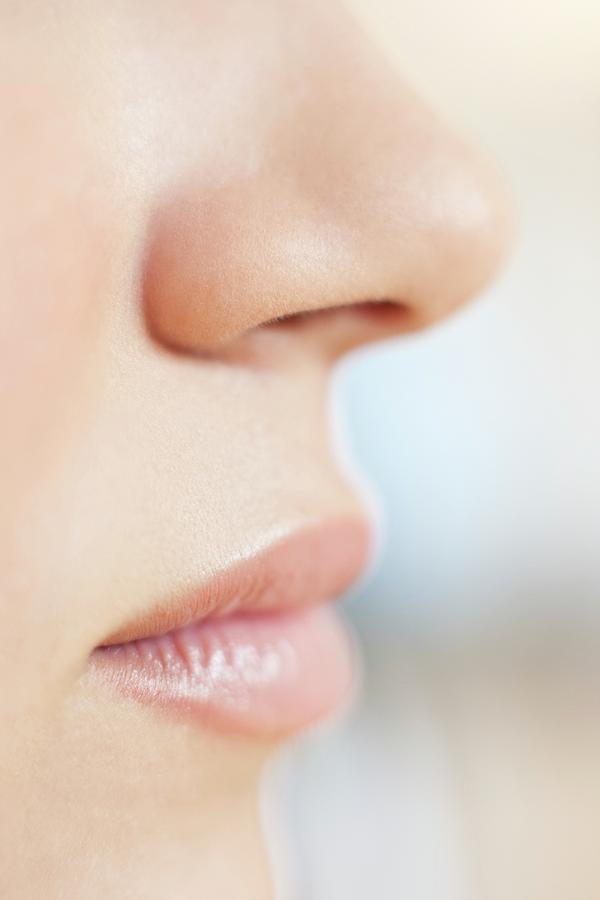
x,y
174,177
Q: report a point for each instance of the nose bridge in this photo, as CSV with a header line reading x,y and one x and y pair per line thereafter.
x,y
357,193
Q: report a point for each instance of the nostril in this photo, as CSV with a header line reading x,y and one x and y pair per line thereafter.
x,y
378,312
384,311
328,332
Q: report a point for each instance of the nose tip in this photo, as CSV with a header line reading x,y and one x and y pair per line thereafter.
x,y
462,230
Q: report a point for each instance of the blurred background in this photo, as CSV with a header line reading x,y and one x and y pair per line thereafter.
x,y
471,767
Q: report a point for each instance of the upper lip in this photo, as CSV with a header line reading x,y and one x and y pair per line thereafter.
x,y
311,565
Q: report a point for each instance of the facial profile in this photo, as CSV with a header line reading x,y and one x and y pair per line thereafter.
x,y
205,206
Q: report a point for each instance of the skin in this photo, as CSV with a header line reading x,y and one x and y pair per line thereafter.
x,y
174,176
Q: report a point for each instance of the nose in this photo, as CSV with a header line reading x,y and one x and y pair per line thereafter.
x,y
340,204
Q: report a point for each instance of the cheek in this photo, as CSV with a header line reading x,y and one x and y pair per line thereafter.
x,y
50,306
57,271
63,237
55,248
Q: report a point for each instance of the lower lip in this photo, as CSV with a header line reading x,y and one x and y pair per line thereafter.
x,y
259,673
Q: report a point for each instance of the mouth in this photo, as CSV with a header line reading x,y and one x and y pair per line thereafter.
x,y
257,648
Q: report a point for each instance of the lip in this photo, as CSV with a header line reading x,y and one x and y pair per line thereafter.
x,y
255,649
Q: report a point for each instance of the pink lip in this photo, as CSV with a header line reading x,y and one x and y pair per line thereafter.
x,y
253,649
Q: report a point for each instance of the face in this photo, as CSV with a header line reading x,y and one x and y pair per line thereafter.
x,y
204,205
